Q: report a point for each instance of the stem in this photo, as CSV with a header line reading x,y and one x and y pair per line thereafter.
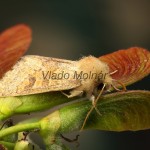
x,y
10,106
19,128
9,145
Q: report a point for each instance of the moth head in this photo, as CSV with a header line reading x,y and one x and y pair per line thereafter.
x,y
106,80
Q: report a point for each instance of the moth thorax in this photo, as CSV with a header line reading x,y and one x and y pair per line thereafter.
x,y
97,71
93,64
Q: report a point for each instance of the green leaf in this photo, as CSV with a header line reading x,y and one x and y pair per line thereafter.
x,y
120,111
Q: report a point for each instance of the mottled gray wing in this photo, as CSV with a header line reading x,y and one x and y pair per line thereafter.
x,y
37,74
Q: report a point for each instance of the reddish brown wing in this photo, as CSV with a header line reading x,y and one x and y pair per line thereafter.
x,y
13,44
132,64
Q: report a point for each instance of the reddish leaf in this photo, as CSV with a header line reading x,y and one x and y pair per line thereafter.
x,y
13,44
132,64
2,147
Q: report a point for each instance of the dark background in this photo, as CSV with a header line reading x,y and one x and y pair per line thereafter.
x,y
72,29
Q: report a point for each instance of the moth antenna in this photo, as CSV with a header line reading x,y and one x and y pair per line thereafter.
x,y
96,109
94,102
87,116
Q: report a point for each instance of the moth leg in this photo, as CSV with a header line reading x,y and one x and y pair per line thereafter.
x,y
122,85
73,93
94,102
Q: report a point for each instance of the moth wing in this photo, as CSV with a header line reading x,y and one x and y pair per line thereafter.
x,y
33,74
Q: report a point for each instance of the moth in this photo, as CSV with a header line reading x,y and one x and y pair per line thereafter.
x,y
31,75
90,75
38,74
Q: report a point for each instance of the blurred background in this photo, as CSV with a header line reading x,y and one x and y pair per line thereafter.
x,y
72,29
